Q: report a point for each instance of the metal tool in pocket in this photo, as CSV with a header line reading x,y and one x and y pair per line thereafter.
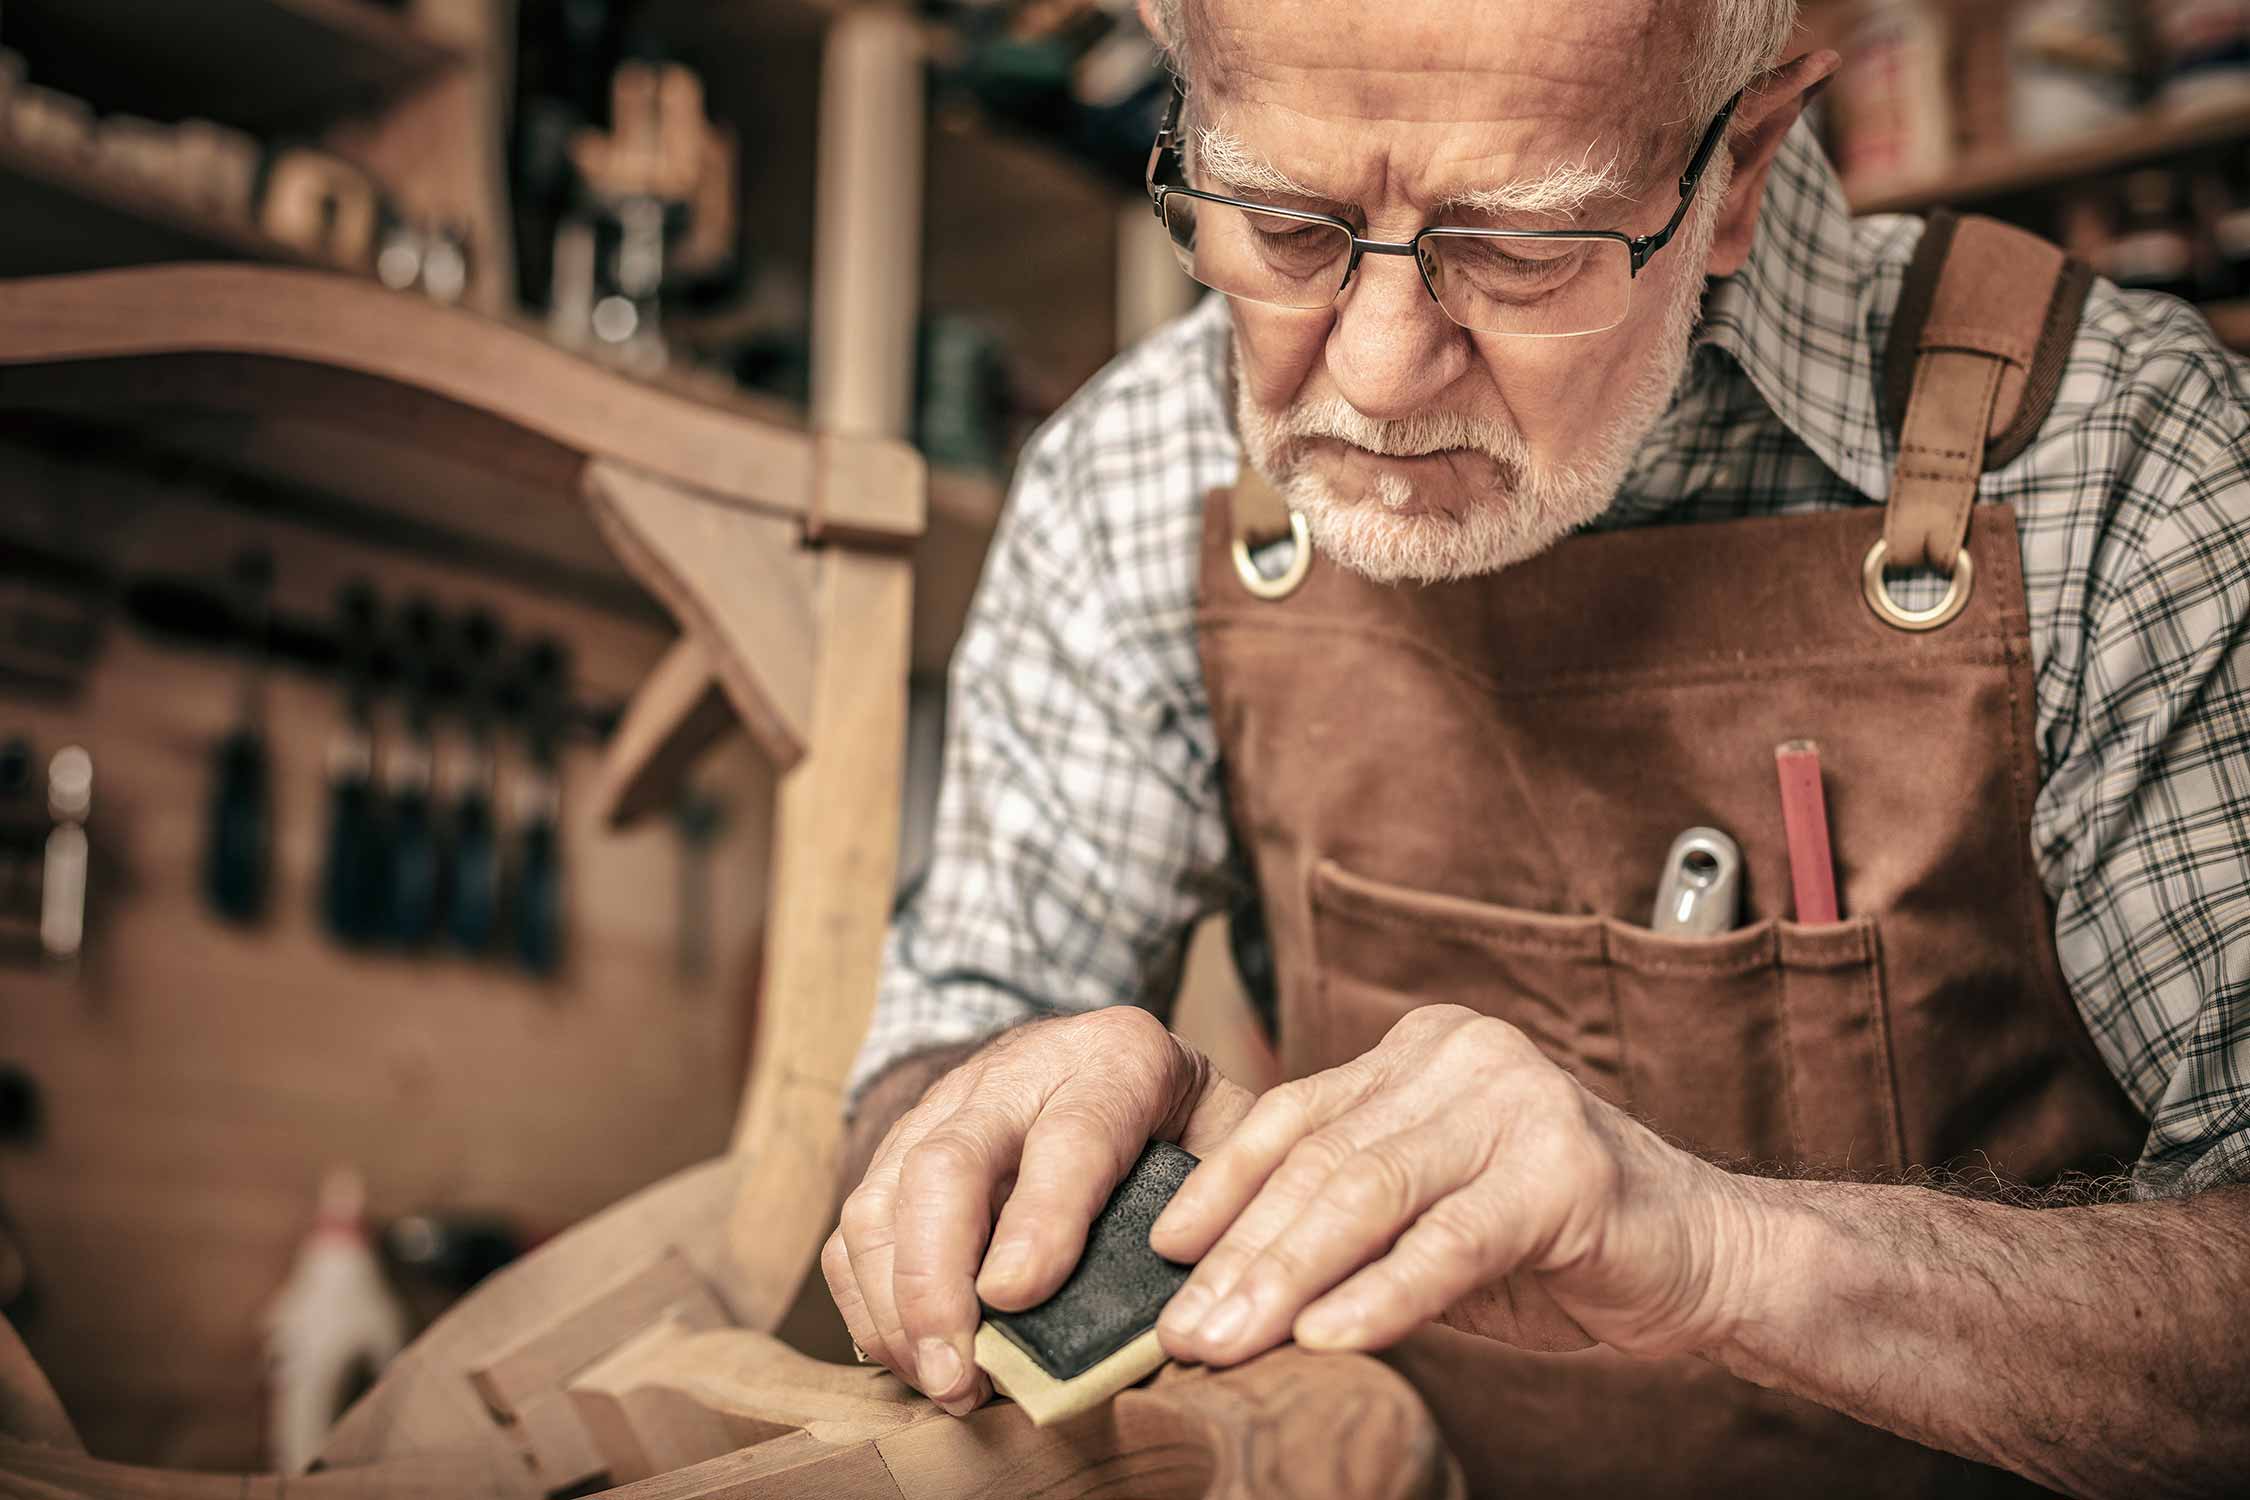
x,y
1700,891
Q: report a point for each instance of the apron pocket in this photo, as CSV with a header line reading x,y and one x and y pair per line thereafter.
x,y
1381,950
1765,1046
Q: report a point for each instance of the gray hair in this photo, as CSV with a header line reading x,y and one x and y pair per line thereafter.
x,y
1727,49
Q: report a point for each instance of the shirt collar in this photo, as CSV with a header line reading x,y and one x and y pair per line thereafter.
x,y
1801,318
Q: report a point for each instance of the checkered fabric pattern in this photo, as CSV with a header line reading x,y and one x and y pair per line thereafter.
x,y
1081,829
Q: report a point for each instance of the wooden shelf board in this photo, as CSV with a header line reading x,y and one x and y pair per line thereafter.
x,y
266,65
1989,175
70,216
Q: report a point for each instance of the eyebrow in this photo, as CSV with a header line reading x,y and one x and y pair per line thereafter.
x,y
1562,190
1221,153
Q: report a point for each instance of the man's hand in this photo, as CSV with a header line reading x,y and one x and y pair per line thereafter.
x,y
1452,1171
1037,1127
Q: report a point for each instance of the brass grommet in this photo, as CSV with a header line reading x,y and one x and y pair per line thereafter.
x,y
1888,610
1299,565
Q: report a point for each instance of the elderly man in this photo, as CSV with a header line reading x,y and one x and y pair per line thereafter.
x,y
1426,583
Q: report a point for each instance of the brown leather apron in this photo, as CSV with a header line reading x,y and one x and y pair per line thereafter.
x,y
1463,793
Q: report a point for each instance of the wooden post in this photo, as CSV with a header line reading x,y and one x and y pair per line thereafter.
x,y
867,225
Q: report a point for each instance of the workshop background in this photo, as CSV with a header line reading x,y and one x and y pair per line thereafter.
x,y
302,915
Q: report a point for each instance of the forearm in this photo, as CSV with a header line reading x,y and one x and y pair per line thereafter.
x,y
2096,1349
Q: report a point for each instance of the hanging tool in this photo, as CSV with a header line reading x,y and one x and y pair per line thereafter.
x,y
472,856
696,820
538,916
62,887
411,900
239,838
352,885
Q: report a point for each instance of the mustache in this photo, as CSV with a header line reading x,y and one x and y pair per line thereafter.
x,y
1403,437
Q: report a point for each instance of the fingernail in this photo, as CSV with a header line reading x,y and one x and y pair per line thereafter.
x,y
1183,1311
1225,1321
1326,1329
1007,1262
960,1408
938,1365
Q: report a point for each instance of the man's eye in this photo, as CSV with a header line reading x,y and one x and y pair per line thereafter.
x,y
1526,261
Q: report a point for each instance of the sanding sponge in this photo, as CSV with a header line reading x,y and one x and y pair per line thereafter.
x,y
1097,1334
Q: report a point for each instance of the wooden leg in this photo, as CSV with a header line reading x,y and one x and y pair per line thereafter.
x,y
835,864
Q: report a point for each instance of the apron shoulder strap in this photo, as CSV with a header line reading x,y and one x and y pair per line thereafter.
x,y
1984,325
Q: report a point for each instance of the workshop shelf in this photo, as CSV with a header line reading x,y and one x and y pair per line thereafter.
x,y
264,65
70,215
1983,176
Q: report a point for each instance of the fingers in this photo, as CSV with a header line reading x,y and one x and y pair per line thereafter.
x,y
1455,1247
836,1269
1232,1174
1329,1211
1073,1157
941,1219
865,1230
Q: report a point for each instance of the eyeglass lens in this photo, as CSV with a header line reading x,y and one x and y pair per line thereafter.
x,y
1527,287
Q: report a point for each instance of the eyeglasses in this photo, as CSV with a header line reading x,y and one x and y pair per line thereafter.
x,y
1521,283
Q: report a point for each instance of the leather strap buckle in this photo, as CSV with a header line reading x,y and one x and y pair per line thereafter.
x,y
1891,613
1300,563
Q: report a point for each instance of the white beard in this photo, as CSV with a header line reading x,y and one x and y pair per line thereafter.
x,y
1529,508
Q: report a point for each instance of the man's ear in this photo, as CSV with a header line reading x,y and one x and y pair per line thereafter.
x,y
1151,25
1767,111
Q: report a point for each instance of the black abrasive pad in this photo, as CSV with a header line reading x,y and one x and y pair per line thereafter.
x,y
1120,1284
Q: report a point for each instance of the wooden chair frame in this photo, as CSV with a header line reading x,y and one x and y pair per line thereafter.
x,y
635,1349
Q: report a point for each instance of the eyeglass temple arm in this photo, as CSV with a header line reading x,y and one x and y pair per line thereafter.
x,y
1648,245
1164,142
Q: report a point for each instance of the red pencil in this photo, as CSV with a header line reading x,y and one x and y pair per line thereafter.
x,y
1804,815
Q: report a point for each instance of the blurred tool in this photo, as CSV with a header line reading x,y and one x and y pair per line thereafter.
x,y
51,607
62,886
2203,51
24,825
412,896
696,819
1700,894
433,260
21,1112
538,915
353,880
472,854
332,1327
2070,69
323,205
239,838
1804,816
663,179
451,1251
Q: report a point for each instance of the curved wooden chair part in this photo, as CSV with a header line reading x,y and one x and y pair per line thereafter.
x,y
633,1349
782,555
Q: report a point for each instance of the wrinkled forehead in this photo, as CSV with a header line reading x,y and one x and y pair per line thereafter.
x,y
1441,86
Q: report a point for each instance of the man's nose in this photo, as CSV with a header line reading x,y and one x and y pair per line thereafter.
x,y
1392,349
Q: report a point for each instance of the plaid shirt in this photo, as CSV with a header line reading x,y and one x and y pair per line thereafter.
x,y
1080,827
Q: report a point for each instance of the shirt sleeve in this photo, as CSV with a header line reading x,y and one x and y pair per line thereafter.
x,y
2153,911
1080,828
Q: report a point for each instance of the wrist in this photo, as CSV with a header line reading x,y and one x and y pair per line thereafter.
x,y
1767,1272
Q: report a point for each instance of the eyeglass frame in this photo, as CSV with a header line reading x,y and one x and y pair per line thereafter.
x,y
1641,248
